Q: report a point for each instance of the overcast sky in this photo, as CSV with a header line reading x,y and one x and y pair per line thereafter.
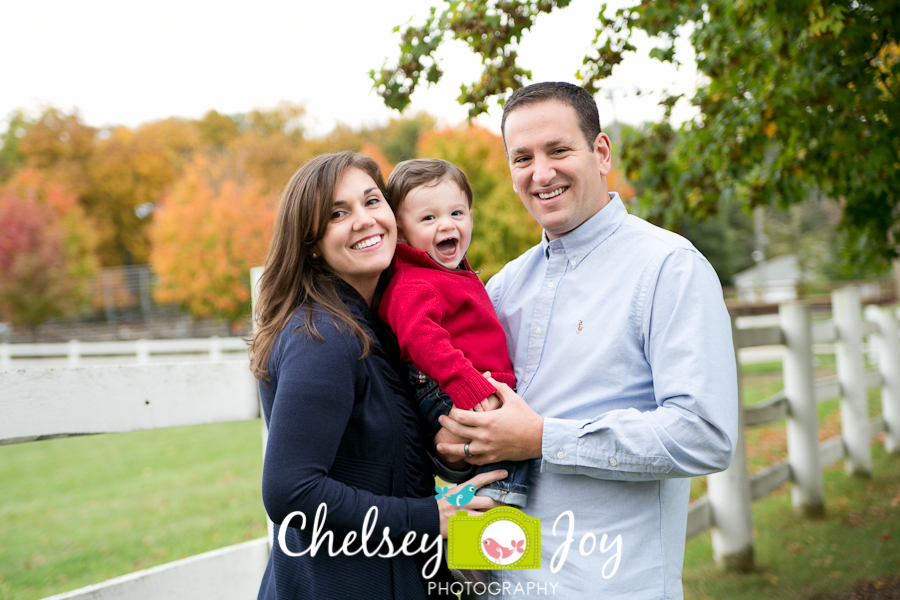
x,y
128,63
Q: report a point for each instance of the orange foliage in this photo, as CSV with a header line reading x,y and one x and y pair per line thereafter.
x,y
372,151
209,230
616,182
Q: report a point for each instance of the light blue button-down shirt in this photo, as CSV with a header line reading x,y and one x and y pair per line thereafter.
x,y
620,339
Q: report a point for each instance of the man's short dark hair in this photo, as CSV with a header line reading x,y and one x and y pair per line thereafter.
x,y
577,97
411,174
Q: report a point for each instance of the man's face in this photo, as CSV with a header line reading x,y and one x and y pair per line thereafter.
x,y
561,182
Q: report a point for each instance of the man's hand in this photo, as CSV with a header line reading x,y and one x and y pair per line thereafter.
x,y
512,432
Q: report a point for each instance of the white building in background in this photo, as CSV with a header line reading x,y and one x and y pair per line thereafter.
x,y
771,281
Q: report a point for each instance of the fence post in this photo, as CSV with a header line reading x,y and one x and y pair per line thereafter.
x,y
143,352
729,498
852,377
215,348
808,492
74,353
255,275
888,351
5,357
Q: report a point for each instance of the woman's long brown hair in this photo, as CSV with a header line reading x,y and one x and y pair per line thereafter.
x,y
292,278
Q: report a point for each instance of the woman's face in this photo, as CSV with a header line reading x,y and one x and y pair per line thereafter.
x,y
361,236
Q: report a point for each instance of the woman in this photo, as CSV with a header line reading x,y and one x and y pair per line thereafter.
x,y
342,428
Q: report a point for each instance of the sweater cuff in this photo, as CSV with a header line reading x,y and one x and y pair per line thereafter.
x,y
467,392
507,378
424,516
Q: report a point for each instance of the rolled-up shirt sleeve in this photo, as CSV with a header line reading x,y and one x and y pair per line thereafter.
x,y
687,343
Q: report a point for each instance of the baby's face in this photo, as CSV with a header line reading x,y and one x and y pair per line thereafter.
x,y
436,219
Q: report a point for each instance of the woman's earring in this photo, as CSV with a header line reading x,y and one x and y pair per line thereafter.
x,y
314,255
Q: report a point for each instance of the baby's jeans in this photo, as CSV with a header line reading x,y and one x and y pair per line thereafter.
x,y
433,403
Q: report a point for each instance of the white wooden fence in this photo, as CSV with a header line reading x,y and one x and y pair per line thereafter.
x,y
11,355
51,403
726,507
149,396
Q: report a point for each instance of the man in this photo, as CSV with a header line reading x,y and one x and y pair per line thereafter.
x,y
623,355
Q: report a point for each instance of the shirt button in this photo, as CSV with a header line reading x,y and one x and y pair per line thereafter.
x,y
612,462
573,263
560,454
549,284
538,330
527,378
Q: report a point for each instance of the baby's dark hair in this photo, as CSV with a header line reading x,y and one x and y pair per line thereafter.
x,y
410,174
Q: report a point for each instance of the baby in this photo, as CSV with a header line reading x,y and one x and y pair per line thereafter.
x,y
437,306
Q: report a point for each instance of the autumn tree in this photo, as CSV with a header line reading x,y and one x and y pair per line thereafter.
x,y
397,139
208,231
46,250
11,157
60,145
217,130
131,169
799,98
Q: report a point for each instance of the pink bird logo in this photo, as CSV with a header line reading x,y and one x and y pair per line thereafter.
x,y
494,550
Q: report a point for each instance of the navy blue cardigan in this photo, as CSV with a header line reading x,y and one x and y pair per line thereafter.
x,y
343,431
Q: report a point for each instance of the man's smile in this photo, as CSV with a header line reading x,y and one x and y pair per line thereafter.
x,y
553,194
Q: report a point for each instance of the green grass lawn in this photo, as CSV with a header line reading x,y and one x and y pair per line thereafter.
x,y
78,511
799,558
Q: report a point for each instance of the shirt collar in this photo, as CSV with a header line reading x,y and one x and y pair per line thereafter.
x,y
587,236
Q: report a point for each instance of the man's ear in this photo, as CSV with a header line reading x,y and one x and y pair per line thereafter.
x,y
515,189
603,150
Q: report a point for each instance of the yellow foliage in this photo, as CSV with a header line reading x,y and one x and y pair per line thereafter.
x,y
131,168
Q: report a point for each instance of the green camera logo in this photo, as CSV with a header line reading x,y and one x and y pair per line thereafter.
x,y
501,538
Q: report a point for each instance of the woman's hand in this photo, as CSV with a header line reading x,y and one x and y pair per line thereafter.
x,y
444,436
476,506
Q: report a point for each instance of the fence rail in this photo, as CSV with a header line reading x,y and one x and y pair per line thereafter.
x,y
141,350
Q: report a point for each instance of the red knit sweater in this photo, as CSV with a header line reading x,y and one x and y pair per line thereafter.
x,y
446,326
